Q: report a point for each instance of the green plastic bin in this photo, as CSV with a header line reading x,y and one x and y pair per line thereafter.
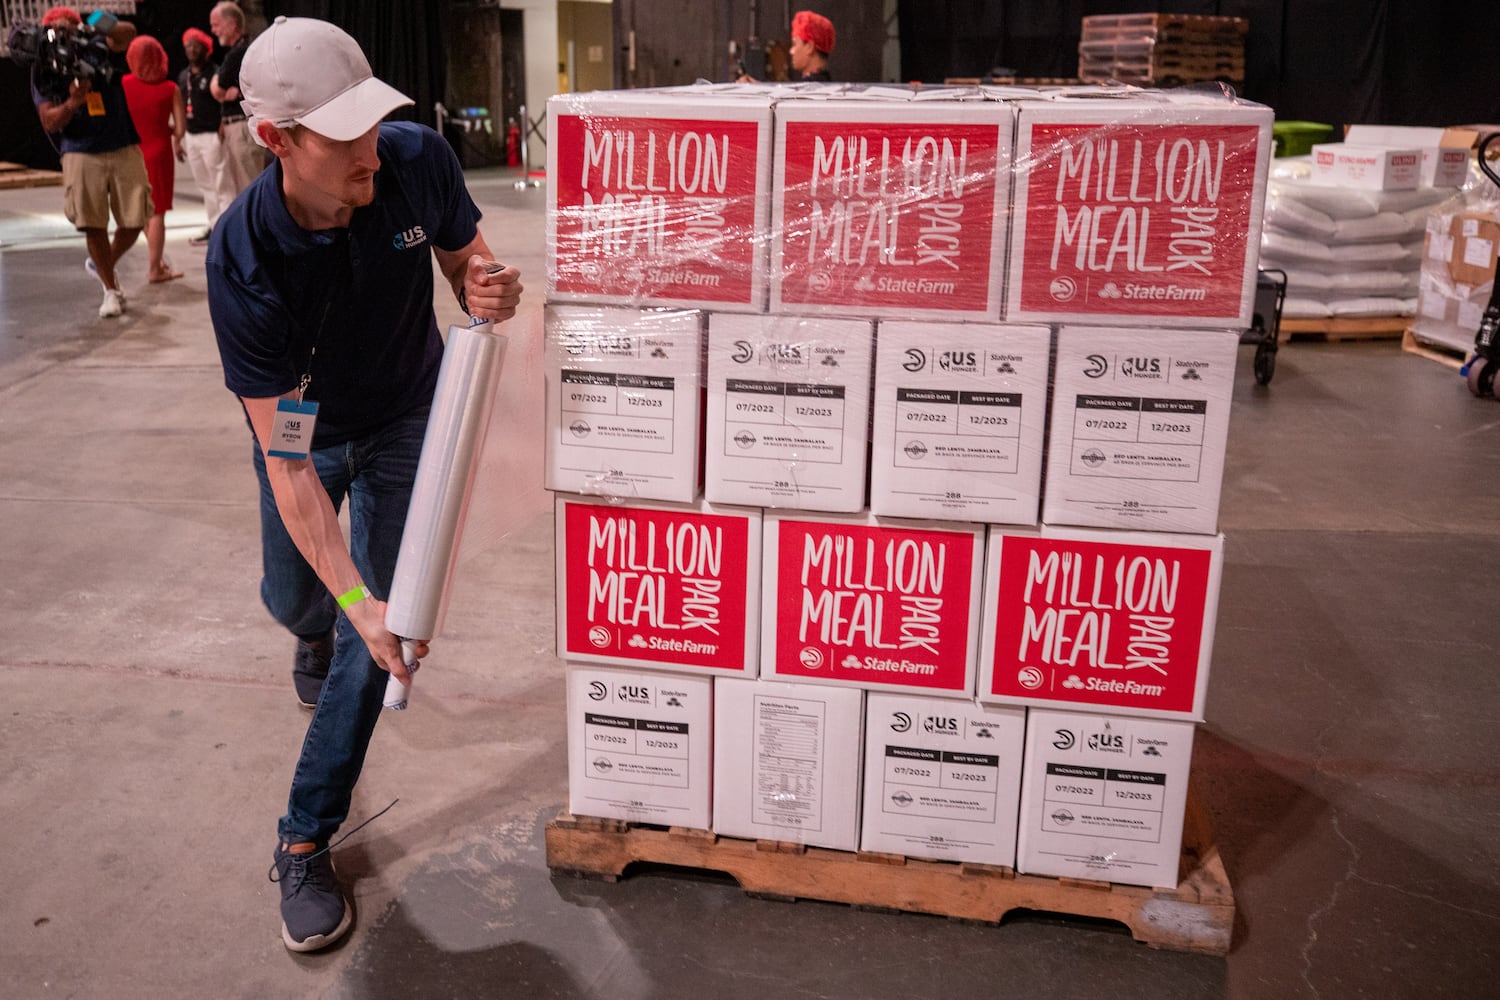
x,y
1298,138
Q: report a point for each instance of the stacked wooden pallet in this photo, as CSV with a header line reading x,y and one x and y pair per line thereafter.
x,y
1163,49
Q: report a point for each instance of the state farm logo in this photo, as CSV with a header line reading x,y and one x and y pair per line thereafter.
x,y
1063,289
1095,366
915,360
600,637
743,352
958,361
1111,291
900,722
1030,678
811,657
598,691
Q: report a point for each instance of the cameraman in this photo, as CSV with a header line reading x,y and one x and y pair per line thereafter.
x,y
101,154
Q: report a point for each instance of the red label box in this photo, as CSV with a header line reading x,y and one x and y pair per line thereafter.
x,y
882,606
672,587
657,209
890,211
1107,621
1119,215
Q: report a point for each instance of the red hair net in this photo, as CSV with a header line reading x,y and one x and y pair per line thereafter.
x,y
813,28
147,59
56,15
200,36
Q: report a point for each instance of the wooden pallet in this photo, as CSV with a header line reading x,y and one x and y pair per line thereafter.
x,y
1339,329
15,175
1443,354
1197,916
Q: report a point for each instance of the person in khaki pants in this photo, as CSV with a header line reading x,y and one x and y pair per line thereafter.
x,y
243,157
103,170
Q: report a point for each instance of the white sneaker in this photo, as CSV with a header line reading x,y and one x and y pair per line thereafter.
x,y
113,304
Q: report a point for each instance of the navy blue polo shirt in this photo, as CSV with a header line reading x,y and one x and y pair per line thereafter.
x,y
86,133
361,296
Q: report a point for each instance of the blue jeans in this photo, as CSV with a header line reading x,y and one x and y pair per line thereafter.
x,y
375,472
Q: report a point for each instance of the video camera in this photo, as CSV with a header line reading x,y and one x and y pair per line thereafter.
x,y
59,55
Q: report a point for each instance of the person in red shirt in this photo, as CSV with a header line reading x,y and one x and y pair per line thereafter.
x,y
156,107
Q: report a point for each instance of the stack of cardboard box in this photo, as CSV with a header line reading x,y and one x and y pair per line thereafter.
x,y
838,308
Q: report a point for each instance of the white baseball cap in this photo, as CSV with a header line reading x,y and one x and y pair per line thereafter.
x,y
311,72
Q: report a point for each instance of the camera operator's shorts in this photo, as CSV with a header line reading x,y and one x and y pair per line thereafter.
x,y
96,184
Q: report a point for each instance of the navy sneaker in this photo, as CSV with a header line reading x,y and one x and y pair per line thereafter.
x,y
314,913
310,668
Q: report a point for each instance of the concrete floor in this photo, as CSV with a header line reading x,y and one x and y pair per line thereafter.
x,y
148,724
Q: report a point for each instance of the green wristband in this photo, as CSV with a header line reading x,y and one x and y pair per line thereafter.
x,y
353,596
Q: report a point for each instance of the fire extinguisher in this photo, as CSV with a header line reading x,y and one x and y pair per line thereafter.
x,y
513,144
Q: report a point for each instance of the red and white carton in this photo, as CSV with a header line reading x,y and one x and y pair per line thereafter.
x,y
1113,622
1144,210
639,745
658,199
960,411
1445,151
624,401
1103,797
787,762
788,411
663,586
886,209
1366,168
942,778
874,603
1140,424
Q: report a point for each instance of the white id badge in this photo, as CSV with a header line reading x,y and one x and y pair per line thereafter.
x,y
292,430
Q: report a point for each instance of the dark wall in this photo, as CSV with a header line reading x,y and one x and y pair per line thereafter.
x,y
1336,61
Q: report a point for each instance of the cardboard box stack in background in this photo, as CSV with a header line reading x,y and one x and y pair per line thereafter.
x,y
879,277
1458,274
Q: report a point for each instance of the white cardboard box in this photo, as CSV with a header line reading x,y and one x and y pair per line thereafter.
x,y
942,778
1140,421
658,199
1145,211
624,397
960,411
1119,622
788,411
1366,168
884,209
639,745
663,586
1445,151
787,762
874,603
1103,797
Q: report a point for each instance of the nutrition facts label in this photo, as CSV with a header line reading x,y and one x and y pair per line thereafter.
x,y
1103,801
1132,437
941,784
789,738
959,431
636,751
793,421
617,410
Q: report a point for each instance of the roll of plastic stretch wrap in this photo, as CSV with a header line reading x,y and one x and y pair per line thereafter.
x,y
461,407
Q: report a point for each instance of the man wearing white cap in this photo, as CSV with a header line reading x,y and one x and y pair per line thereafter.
x,y
320,288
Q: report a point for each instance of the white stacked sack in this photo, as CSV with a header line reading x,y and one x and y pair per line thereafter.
x,y
1346,252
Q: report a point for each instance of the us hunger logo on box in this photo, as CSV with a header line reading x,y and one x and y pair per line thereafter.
x,y
890,217
1139,219
871,605
657,587
653,209
1108,625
